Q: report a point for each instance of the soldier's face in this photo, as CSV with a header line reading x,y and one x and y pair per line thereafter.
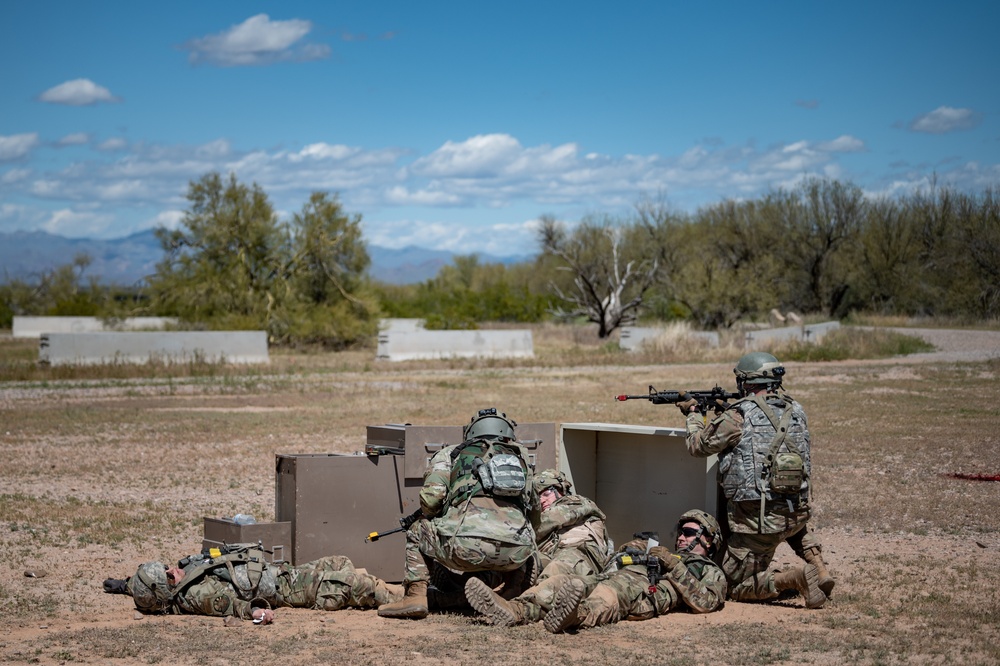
x,y
548,497
174,575
688,533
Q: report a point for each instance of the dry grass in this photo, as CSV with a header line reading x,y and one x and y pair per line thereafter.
x,y
100,473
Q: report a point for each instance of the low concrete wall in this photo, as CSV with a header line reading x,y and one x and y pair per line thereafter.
x,y
140,347
632,338
809,333
406,344
33,327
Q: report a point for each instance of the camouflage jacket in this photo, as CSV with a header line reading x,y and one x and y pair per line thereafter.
x,y
574,521
696,581
505,520
226,590
742,436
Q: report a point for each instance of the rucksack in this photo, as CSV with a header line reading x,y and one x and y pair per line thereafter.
x,y
486,467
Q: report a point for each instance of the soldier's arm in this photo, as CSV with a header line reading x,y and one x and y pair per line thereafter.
x,y
435,489
702,593
567,512
707,437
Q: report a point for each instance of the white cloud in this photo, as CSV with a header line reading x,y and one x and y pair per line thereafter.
x,y
14,175
843,144
171,219
482,179
17,146
113,144
78,92
256,41
946,119
76,139
67,222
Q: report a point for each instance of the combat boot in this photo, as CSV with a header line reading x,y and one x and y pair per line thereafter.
x,y
805,580
567,600
497,610
826,582
412,606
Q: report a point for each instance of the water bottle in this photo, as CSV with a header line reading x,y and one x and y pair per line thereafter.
x,y
244,519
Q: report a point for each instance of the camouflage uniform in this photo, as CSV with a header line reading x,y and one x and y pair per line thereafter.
x,y
742,436
690,581
480,533
572,541
329,583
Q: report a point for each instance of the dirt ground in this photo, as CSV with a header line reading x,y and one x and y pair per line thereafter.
x,y
98,477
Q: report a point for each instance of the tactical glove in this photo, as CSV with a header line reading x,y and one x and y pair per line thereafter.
x,y
115,586
686,403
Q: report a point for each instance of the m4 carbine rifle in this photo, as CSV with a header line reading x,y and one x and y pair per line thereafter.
x,y
715,397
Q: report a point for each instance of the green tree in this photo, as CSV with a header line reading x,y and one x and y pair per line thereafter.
x,y
728,268
231,265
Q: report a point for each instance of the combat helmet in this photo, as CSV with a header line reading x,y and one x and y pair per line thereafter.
x,y
487,423
758,368
150,589
709,528
551,478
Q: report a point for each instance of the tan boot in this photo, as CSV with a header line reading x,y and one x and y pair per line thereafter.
x,y
497,610
413,606
805,580
826,581
563,614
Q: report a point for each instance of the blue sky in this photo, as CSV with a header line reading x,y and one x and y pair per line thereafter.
x,y
455,125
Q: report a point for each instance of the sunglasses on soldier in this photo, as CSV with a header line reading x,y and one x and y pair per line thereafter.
x,y
689,531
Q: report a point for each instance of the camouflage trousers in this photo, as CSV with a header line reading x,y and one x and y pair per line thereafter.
x,y
332,583
566,562
749,553
624,595
459,553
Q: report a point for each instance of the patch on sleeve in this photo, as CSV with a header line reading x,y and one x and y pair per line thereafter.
x,y
221,604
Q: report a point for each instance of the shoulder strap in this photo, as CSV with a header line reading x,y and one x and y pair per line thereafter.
x,y
252,557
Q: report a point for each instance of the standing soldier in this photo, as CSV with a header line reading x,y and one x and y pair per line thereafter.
x,y
572,540
479,512
764,469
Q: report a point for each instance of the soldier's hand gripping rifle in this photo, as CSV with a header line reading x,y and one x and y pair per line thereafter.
x,y
404,524
715,397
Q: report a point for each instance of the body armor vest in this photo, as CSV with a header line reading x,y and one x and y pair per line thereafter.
x,y
742,467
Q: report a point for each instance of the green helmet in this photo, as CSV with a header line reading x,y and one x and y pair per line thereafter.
x,y
709,526
758,368
489,424
552,478
150,589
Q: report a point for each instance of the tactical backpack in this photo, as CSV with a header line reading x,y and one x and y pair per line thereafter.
x,y
486,467
251,580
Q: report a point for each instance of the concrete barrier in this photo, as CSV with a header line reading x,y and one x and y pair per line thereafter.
x,y
808,333
632,338
141,347
33,327
406,344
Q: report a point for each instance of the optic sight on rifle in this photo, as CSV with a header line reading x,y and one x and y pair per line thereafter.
x,y
714,397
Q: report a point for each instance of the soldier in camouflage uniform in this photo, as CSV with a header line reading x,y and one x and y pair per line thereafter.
x,y
764,469
572,540
244,585
466,527
652,581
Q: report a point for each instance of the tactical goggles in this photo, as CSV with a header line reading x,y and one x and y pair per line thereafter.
x,y
689,531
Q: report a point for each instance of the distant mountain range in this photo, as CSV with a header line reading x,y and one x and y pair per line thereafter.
x,y
125,261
